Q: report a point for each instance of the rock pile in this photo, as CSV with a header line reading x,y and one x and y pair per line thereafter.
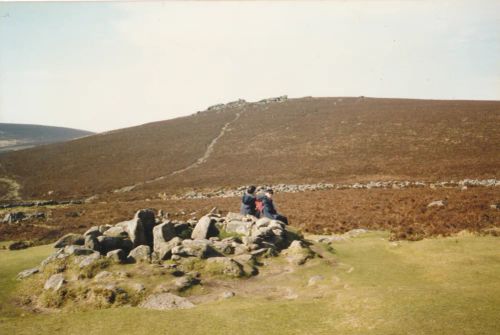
x,y
242,102
232,104
294,188
41,203
14,217
228,246
282,98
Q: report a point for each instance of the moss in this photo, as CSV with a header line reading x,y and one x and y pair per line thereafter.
x,y
57,266
52,299
101,297
192,264
212,269
224,234
132,298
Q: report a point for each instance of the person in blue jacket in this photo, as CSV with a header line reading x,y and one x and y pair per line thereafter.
x,y
269,211
248,202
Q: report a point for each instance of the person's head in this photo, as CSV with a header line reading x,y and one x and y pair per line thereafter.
x,y
269,193
251,189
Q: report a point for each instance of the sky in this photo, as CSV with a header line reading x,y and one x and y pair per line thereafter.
x,y
104,66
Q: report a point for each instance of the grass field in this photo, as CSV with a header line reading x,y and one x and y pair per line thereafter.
x,y
371,285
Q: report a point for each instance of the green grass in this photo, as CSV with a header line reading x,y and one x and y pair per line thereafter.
x,y
13,262
434,286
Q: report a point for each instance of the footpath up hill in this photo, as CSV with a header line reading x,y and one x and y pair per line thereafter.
x,y
303,140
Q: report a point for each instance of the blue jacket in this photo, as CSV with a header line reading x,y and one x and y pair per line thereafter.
x,y
248,204
269,211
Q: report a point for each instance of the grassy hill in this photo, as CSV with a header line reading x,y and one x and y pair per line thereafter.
x,y
298,140
21,136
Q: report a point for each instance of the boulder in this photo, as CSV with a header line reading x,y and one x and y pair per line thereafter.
x,y
141,253
147,217
163,232
185,282
55,282
91,242
27,273
239,227
262,222
117,256
277,224
70,239
248,263
246,258
164,249
140,228
262,232
77,250
103,275
135,232
107,243
58,255
204,229
224,247
227,294
234,217
261,252
89,260
183,229
225,266
240,249
192,222
437,203
166,301
194,248
297,253
116,232
14,217
20,245
93,231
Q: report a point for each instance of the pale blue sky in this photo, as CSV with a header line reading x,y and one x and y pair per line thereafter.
x,y
102,66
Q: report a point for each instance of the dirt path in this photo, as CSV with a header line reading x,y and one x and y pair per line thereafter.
x,y
13,192
203,159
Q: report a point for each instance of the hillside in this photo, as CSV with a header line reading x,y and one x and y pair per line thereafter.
x,y
292,141
22,136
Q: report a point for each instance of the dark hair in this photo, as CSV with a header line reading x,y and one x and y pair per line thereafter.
x,y
251,189
270,191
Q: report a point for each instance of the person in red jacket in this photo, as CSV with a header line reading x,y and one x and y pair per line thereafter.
x,y
269,211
